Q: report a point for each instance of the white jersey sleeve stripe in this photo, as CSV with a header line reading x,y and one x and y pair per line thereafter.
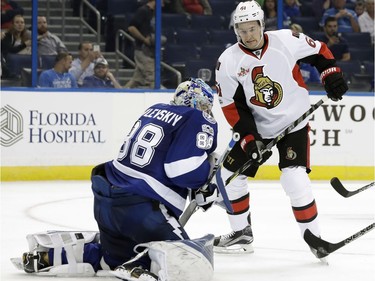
x,y
168,194
184,166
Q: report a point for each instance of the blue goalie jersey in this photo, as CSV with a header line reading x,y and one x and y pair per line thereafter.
x,y
165,153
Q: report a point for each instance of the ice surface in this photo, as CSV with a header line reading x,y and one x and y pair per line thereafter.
x,y
280,252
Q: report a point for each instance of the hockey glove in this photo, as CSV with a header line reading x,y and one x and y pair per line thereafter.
x,y
334,83
207,197
255,149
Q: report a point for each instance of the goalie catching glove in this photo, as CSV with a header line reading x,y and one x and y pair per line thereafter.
x,y
255,149
334,83
208,194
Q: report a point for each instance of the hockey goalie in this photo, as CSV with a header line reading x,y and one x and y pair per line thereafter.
x,y
139,197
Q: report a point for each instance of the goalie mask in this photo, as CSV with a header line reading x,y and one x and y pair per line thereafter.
x,y
194,93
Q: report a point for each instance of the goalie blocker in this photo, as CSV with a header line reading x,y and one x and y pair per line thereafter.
x,y
71,254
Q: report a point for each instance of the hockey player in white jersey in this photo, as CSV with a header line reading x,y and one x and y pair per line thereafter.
x,y
262,92
139,197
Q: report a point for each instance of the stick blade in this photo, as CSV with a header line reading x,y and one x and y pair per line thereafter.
x,y
338,186
322,246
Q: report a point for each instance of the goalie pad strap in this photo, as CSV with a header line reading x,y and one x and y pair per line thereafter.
x,y
72,242
56,240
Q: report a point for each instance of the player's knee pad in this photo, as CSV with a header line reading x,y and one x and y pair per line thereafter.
x,y
237,188
297,185
71,241
182,260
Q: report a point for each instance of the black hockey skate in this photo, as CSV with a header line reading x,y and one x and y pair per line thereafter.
x,y
235,242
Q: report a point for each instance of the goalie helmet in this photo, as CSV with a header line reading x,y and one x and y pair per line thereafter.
x,y
248,11
194,93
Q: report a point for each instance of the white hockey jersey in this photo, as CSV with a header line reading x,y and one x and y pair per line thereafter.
x,y
268,81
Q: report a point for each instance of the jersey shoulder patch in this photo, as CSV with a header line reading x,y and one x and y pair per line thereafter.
x,y
209,118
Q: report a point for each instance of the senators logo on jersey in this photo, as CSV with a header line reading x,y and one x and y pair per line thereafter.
x,y
268,93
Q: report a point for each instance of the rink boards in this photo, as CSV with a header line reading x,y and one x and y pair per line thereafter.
x,y
62,135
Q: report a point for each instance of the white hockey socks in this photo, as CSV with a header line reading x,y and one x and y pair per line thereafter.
x,y
297,186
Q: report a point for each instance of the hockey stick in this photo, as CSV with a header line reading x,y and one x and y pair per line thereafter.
x,y
192,207
339,187
250,162
324,248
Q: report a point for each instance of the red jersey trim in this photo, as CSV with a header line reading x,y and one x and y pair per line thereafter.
x,y
306,213
247,51
231,114
325,52
297,76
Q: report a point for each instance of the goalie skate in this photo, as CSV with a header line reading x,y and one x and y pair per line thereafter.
x,y
128,272
236,242
34,262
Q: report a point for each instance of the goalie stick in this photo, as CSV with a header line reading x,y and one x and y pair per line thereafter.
x,y
192,207
250,162
339,187
325,248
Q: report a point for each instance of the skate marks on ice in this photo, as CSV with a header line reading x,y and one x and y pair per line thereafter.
x,y
280,252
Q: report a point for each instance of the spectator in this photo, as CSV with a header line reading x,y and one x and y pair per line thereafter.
x,y
48,43
366,20
359,7
200,7
309,73
8,10
140,28
83,66
59,76
335,42
291,8
346,18
17,39
319,7
102,77
270,14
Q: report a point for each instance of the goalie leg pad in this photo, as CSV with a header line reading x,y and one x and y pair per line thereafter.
x,y
73,244
183,260
180,260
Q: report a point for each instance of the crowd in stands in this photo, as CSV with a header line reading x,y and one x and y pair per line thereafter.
x,y
83,65
89,69
330,21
